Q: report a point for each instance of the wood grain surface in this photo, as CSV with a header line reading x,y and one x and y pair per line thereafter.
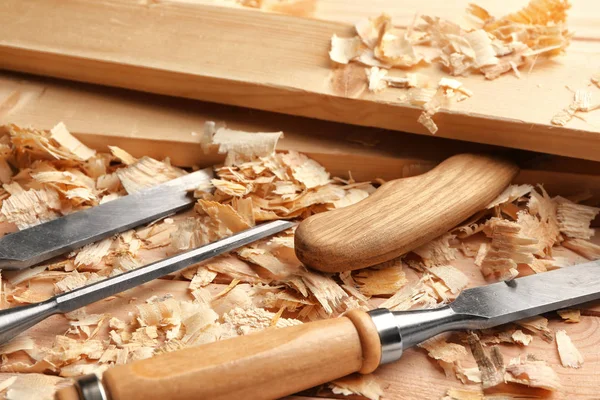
x,y
280,63
402,214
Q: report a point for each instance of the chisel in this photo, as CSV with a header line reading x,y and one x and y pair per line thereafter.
x,y
39,243
281,361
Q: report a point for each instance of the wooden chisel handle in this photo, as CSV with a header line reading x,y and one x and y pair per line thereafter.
x,y
402,214
264,365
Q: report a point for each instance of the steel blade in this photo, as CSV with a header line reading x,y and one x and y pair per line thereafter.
x,y
41,242
525,297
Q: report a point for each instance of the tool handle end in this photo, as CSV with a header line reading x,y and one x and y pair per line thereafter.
x,y
264,365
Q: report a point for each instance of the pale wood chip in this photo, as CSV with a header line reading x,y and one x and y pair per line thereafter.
x,y
507,249
308,172
522,338
537,324
344,50
463,394
146,172
375,77
510,194
325,290
243,146
569,355
362,385
382,281
80,151
452,277
122,155
370,30
574,219
570,315
532,373
26,208
33,386
438,251
93,253
21,342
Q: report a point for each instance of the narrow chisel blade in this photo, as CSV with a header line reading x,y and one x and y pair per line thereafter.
x,y
41,242
525,297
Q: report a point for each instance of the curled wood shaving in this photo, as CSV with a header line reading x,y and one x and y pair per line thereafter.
x,y
510,194
33,386
507,249
569,355
574,219
244,146
438,251
532,373
343,50
69,142
26,208
146,172
362,385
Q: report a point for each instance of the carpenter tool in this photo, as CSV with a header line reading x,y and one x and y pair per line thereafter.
x,y
279,362
18,319
41,242
402,214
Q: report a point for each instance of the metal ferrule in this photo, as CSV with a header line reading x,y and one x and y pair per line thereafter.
x,y
90,388
400,330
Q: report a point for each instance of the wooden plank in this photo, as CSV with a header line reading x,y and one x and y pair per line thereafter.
x,y
160,126
279,63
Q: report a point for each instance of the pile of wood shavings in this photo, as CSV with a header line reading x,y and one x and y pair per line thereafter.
x,y
498,46
263,285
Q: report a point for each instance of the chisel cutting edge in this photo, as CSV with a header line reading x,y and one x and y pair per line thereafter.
x,y
279,362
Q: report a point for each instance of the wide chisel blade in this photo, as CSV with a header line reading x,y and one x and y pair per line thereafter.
x,y
525,297
41,242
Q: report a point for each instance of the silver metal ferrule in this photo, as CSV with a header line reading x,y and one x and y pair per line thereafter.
x,y
389,334
90,388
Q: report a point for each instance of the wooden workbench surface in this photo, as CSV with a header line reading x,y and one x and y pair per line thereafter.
x,y
105,116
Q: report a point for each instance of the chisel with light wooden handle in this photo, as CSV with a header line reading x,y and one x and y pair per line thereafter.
x,y
402,214
281,361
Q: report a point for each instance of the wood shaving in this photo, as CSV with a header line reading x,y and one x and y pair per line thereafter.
x,y
574,219
582,102
26,208
438,251
537,324
522,338
375,77
64,138
362,385
122,155
33,386
570,315
344,50
587,249
510,194
147,172
381,281
569,355
532,373
507,249
453,278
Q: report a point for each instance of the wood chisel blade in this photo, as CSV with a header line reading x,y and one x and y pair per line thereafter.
x,y
41,242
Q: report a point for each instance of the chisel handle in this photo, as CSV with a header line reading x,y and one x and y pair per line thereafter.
x,y
265,365
402,214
